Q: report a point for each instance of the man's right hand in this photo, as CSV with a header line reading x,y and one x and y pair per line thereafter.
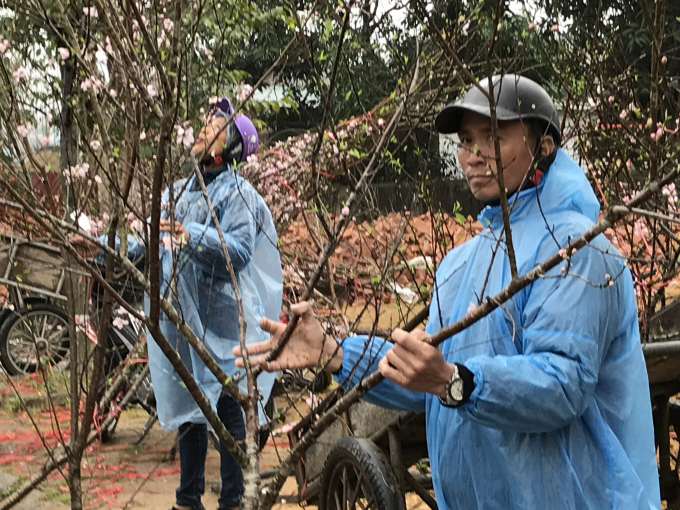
x,y
307,347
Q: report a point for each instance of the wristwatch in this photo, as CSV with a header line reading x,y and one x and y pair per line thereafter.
x,y
454,393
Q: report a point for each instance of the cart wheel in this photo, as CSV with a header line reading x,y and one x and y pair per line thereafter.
x,y
31,334
356,476
270,410
107,433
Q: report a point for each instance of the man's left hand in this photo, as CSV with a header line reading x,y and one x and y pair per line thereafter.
x,y
179,232
416,365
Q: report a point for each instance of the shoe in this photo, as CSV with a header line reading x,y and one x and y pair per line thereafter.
x,y
195,507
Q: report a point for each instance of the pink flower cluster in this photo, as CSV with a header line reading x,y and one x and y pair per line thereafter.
x,y
283,173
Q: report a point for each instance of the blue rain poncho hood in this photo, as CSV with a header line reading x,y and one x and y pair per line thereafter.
x,y
203,292
560,416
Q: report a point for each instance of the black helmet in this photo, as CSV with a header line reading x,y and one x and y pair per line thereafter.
x,y
517,98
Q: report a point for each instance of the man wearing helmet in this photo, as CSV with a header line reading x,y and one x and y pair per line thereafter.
x,y
544,403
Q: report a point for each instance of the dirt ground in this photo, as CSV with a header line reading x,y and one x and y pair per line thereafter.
x,y
119,474
115,475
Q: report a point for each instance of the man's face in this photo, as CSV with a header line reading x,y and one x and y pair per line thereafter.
x,y
207,134
477,155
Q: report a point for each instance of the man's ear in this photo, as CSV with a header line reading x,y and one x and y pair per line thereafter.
x,y
547,145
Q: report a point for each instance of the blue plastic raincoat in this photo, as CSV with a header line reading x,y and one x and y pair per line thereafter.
x,y
560,417
203,293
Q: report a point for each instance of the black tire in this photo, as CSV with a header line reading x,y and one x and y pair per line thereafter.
x,y
356,475
270,410
23,339
116,353
106,434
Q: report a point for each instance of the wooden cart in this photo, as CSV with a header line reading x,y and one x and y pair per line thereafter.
x,y
662,355
33,324
362,460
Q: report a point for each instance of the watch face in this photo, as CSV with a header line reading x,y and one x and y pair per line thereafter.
x,y
456,390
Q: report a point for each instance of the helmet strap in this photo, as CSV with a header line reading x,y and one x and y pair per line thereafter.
x,y
539,166
226,155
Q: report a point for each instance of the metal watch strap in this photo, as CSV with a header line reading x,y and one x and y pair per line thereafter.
x,y
449,401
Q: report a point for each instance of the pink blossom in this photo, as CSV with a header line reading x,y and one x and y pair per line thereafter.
x,y
119,322
136,226
113,93
464,29
285,428
633,140
168,24
659,132
86,84
44,141
151,90
95,145
245,91
471,307
312,400
142,135
4,45
185,137
381,122
562,253
22,131
623,114
345,211
64,53
520,43
19,73
98,179
532,25
555,28
90,11
82,170
664,59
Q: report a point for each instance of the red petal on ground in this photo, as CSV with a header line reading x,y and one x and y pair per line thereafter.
x,y
12,457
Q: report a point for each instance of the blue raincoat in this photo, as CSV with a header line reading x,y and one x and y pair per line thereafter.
x,y
560,417
203,292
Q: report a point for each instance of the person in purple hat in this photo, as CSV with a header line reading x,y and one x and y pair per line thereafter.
x,y
204,295
194,275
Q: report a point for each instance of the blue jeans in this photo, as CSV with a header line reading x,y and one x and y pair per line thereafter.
x,y
193,448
